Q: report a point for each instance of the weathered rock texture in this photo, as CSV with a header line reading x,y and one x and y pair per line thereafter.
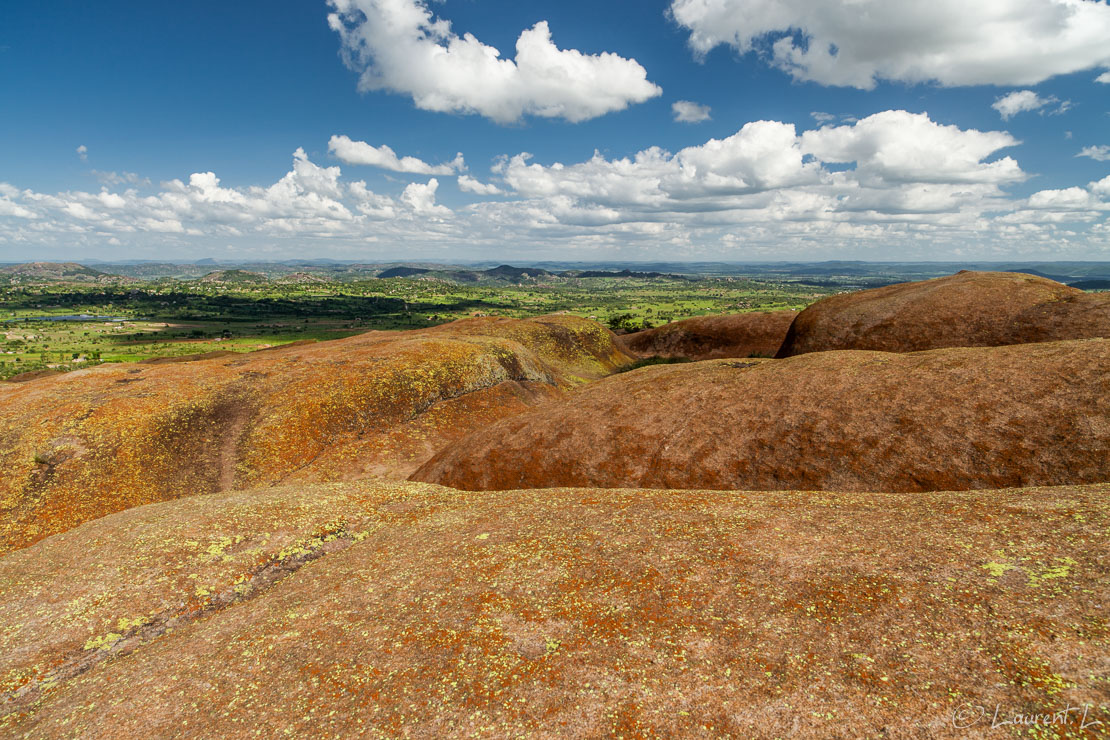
x,y
964,418
411,610
84,444
969,309
712,337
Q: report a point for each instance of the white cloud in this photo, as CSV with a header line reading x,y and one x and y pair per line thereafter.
x,y
10,208
83,153
361,153
954,42
1101,187
399,46
822,117
894,185
1097,153
1104,78
470,185
421,197
1020,101
896,146
1016,102
370,203
1064,199
120,178
308,200
906,168
686,111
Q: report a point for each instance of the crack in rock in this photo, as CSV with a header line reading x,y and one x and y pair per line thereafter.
x,y
277,568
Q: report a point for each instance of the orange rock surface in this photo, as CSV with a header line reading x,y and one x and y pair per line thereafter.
x,y
389,609
962,418
712,337
77,446
969,309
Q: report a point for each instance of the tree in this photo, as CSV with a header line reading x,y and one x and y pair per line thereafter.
x,y
621,322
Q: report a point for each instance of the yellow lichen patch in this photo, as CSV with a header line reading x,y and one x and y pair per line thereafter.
x,y
1062,569
600,613
103,642
997,570
120,436
124,624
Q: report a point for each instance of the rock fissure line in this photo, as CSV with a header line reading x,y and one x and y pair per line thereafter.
x,y
258,581
421,409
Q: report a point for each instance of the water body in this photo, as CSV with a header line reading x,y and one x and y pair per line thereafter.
x,y
72,317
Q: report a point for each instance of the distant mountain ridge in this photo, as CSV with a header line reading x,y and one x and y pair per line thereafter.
x,y
63,272
850,274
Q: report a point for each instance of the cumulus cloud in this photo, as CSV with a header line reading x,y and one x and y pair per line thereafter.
x,y
953,42
1016,102
399,46
421,198
1063,199
1104,78
891,185
361,153
470,185
83,153
899,147
308,201
1021,101
904,168
1097,153
1101,187
686,111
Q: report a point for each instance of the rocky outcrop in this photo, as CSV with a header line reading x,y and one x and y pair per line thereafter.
x,y
963,418
757,334
969,309
77,446
386,609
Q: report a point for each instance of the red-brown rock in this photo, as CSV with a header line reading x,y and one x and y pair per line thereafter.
x,y
961,418
405,610
756,334
77,446
969,309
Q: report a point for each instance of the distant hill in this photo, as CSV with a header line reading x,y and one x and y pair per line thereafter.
x,y
1091,284
625,274
234,276
402,272
515,273
303,278
501,273
56,271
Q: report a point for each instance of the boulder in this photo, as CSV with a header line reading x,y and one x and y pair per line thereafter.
x,y
960,418
968,309
759,333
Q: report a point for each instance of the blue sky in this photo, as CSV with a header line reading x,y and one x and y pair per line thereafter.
x,y
869,129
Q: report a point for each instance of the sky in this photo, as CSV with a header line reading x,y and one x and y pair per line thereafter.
x,y
632,130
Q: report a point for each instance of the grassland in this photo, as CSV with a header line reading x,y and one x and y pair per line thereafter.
x,y
169,318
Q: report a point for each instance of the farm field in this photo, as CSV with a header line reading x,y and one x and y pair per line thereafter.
x,y
66,326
